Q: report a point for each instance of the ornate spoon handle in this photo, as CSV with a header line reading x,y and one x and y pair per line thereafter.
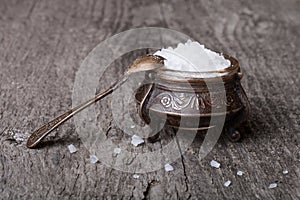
x,y
36,137
44,130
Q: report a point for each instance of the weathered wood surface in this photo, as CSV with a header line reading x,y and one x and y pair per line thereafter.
x,y
42,44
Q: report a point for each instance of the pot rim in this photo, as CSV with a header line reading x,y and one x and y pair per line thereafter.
x,y
177,75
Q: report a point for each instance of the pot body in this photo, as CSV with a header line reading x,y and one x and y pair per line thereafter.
x,y
188,102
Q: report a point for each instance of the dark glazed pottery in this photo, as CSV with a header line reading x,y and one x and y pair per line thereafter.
x,y
178,95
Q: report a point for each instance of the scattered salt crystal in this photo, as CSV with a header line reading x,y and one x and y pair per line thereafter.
x,y
117,150
215,164
132,126
285,171
72,148
136,176
18,135
169,167
227,183
240,173
93,159
272,185
192,56
136,140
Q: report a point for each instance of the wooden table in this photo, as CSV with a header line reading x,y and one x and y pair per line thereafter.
x,y
42,44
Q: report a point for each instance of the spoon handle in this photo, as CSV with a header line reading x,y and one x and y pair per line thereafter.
x,y
44,130
36,137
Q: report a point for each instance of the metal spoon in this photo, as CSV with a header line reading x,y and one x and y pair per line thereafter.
x,y
144,63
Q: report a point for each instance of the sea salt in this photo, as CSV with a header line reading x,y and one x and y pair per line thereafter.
x,y
215,164
18,135
227,183
136,140
272,185
72,148
132,126
93,159
169,167
240,173
193,57
135,176
21,137
117,150
285,171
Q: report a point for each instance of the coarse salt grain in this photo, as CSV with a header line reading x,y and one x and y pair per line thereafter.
x,y
135,176
94,159
272,185
240,173
132,126
193,57
215,164
72,148
169,167
18,135
227,183
136,140
117,150
285,171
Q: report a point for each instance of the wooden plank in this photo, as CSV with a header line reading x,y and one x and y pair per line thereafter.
x,y
42,45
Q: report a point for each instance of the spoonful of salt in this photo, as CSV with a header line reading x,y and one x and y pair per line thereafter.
x,y
144,63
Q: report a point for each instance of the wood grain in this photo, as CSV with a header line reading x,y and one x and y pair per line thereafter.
x,y
42,44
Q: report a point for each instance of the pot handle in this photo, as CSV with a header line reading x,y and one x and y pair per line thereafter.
x,y
240,74
142,111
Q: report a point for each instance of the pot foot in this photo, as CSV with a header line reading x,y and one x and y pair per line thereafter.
x,y
153,138
233,135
